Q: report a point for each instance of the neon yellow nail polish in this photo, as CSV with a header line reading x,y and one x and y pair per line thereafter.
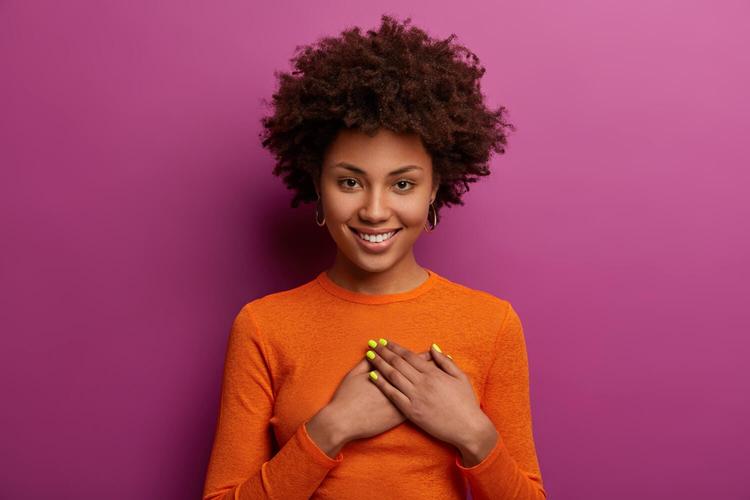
x,y
436,347
373,375
383,342
372,343
370,354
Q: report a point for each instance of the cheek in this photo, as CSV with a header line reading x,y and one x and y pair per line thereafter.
x,y
413,214
409,212
340,209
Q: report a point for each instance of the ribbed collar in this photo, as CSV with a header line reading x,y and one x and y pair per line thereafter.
x,y
364,298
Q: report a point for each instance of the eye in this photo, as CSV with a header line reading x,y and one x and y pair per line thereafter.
x,y
348,179
408,187
403,185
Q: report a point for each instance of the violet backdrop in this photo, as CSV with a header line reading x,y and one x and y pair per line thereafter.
x,y
138,214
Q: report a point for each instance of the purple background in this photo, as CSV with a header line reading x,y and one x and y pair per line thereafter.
x,y
139,214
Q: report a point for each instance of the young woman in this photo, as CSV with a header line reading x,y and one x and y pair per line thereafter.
x,y
339,388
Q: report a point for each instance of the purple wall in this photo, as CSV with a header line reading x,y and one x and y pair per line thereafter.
x,y
139,214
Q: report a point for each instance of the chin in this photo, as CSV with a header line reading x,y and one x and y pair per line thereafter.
x,y
370,263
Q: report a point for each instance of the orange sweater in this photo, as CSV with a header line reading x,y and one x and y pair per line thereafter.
x,y
287,353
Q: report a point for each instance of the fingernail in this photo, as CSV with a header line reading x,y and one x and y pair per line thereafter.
x,y
373,375
449,356
436,347
372,343
370,354
383,341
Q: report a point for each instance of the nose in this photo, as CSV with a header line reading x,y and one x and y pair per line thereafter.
x,y
375,207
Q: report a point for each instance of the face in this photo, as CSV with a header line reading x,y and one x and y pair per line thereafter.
x,y
378,184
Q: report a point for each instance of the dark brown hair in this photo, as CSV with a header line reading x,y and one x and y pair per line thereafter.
x,y
397,78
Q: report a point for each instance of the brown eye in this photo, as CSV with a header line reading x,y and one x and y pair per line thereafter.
x,y
347,180
407,186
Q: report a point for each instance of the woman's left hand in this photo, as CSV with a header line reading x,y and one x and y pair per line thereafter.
x,y
437,397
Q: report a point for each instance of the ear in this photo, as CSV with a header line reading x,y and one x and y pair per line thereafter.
x,y
435,186
316,182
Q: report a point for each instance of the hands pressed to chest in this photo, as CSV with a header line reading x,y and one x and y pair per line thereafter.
x,y
392,384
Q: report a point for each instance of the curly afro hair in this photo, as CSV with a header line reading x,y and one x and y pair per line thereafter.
x,y
397,78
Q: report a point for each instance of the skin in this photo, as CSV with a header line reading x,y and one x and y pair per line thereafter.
x,y
375,200
427,388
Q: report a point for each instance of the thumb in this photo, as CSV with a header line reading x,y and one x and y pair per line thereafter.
x,y
363,366
444,361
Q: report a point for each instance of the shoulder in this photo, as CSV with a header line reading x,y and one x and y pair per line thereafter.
x,y
496,313
285,301
475,297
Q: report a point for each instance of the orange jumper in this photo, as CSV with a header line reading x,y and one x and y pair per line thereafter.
x,y
287,353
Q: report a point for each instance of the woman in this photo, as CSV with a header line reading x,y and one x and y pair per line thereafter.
x,y
380,130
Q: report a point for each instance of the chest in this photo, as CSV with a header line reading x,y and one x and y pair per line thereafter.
x,y
311,362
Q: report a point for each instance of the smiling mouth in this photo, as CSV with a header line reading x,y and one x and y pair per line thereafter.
x,y
357,234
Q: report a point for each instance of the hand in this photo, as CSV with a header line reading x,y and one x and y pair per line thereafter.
x,y
438,397
360,409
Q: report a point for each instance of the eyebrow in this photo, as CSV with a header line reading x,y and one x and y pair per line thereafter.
x,y
358,170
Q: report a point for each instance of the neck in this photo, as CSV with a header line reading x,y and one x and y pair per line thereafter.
x,y
402,276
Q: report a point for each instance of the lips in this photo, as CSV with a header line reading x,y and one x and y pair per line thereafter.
x,y
378,232
374,247
375,232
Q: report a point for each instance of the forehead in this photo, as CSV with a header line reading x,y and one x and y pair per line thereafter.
x,y
381,153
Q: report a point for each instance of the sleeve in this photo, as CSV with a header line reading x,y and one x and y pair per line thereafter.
x,y
242,464
511,469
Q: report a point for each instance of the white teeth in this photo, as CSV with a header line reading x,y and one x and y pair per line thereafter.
x,y
376,238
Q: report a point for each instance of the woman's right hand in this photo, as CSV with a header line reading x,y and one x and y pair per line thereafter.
x,y
359,407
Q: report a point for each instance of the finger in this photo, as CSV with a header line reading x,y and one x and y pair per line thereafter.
x,y
425,355
391,373
396,397
415,361
376,345
362,366
406,368
444,362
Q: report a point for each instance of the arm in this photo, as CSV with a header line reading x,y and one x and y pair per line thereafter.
x,y
241,465
500,455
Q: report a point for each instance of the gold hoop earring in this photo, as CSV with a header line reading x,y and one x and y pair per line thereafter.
x,y
434,219
321,224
